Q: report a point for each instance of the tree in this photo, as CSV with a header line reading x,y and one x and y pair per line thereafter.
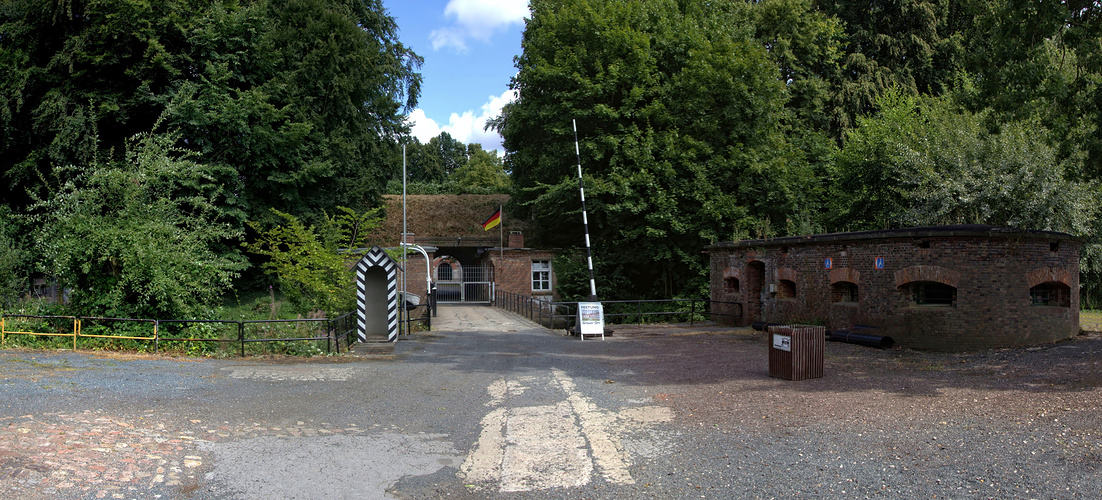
x,y
296,104
305,259
451,154
304,98
485,169
926,162
1042,61
13,259
677,108
79,79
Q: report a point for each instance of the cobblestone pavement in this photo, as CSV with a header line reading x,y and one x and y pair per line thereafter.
x,y
93,454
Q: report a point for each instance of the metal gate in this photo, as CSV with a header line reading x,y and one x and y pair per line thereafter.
x,y
465,284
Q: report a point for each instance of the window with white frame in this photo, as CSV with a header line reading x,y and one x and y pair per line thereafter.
x,y
541,275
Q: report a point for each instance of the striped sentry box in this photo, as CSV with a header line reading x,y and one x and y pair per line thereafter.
x,y
376,257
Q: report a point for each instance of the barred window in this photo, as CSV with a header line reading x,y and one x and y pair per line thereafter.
x,y
1050,294
927,293
844,291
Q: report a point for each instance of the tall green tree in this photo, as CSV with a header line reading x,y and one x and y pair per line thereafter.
x,y
1042,61
912,45
299,104
677,111
79,78
305,98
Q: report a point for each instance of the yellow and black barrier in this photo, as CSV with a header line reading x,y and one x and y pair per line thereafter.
x,y
332,331
4,332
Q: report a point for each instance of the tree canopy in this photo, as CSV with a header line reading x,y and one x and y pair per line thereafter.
x,y
247,105
299,104
706,121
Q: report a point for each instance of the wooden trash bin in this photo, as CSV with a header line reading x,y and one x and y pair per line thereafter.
x,y
796,351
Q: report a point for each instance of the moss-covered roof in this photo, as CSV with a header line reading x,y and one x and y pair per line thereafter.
x,y
442,220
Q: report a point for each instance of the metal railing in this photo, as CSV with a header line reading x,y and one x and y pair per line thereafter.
x,y
332,331
562,314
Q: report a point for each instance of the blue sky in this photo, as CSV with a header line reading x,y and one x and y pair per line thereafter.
x,y
468,46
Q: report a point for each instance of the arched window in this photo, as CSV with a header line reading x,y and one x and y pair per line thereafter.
x,y
932,294
1051,293
444,272
843,291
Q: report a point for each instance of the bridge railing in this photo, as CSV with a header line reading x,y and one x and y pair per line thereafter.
x,y
556,314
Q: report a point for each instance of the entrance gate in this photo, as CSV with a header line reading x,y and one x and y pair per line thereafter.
x,y
466,284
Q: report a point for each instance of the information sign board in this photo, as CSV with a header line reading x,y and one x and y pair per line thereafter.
x,y
782,342
591,319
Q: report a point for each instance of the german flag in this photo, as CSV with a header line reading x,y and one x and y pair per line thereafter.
x,y
494,220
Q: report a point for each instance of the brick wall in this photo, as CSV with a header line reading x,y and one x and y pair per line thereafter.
x,y
514,271
991,269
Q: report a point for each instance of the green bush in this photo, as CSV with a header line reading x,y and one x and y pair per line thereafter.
x,y
144,237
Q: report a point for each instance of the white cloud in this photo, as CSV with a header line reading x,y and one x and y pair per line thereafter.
x,y
466,127
477,20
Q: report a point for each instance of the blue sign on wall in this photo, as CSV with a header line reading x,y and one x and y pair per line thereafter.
x,y
828,263
880,263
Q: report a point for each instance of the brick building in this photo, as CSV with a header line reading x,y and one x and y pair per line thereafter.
x,y
941,288
467,264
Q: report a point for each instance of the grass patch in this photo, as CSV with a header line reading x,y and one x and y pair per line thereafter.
x,y
1090,321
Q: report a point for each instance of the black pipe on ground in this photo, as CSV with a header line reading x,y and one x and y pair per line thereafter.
x,y
880,341
762,326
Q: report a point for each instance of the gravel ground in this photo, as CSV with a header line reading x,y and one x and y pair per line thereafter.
x,y
1013,423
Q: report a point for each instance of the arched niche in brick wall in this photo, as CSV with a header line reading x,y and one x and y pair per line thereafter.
x,y
452,270
933,274
847,274
1049,274
732,279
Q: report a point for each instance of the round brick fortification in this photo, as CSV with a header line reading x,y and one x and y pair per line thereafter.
x,y
947,288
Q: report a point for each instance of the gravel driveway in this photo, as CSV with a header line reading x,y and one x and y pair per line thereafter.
x,y
516,411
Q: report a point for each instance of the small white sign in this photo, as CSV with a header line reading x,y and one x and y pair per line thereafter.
x,y
591,318
782,342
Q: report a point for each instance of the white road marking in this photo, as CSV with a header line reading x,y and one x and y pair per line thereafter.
x,y
544,449
549,446
483,463
598,427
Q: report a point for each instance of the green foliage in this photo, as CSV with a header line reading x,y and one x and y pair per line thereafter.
x,y
1041,61
311,273
483,170
14,260
1090,272
292,104
141,238
678,111
928,163
446,166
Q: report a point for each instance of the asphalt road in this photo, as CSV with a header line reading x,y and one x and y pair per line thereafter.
x,y
490,405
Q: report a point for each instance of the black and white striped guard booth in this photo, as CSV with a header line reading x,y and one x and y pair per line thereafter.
x,y
377,297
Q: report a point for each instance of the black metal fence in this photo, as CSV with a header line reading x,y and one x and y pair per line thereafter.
x,y
227,335
563,314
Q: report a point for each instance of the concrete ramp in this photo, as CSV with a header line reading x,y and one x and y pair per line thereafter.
x,y
480,318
